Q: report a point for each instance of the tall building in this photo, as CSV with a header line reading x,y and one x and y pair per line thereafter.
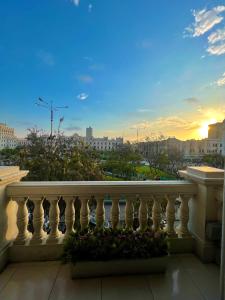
x,y
7,137
89,133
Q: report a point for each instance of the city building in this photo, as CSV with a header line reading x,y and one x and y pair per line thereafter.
x,y
102,144
8,138
190,149
89,133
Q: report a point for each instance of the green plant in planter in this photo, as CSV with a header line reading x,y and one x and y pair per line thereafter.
x,y
109,244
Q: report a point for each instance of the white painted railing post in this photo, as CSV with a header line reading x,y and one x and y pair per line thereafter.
x,y
115,213
38,221
100,212
129,212
22,221
54,234
156,212
170,215
84,213
69,215
143,214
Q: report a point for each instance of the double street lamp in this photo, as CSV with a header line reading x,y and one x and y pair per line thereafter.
x,y
49,105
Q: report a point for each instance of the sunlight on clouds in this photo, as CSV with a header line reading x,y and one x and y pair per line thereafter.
x,y
217,36
221,81
204,21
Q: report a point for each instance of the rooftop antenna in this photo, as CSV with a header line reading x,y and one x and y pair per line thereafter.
x,y
42,103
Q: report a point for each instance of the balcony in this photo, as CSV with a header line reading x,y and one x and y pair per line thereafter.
x,y
182,208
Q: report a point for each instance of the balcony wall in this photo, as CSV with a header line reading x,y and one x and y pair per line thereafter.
x,y
158,201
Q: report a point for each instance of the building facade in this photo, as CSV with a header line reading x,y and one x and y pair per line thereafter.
x,y
8,138
190,149
102,144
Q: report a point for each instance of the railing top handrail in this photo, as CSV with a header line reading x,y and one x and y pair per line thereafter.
x,y
99,187
102,183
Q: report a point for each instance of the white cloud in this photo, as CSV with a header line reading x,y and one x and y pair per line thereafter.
x,y
217,36
82,96
221,80
217,49
46,57
76,2
204,21
166,123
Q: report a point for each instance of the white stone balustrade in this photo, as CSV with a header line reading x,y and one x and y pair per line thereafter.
x,y
143,214
158,191
129,213
38,221
69,215
53,220
197,197
115,213
170,215
22,221
100,212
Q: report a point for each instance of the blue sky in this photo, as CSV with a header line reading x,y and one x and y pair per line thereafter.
x,y
158,66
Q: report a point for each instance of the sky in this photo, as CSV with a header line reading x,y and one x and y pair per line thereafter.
x,y
121,66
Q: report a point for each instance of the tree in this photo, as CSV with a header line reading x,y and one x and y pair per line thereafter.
x,y
214,160
122,161
59,158
161,155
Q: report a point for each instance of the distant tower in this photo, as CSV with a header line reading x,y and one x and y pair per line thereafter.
x,y
89,133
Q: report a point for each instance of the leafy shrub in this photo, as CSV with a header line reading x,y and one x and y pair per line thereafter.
x,y
109,244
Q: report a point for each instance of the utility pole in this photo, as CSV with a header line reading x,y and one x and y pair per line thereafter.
x,y
42,103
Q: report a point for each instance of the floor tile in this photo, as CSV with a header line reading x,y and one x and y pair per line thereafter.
x,y
6,275
80,289
205,277
126,288
30,281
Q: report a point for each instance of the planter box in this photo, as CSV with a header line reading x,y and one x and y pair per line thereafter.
x,y
87,269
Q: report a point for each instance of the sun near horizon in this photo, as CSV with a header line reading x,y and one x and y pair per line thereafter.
x,y
203,130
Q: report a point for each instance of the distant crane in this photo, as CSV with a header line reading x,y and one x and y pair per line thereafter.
x,y
42,103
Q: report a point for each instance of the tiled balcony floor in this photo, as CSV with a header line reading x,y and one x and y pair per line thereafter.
x,y
186,279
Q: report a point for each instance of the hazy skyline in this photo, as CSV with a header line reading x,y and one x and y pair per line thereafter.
x,y
119,65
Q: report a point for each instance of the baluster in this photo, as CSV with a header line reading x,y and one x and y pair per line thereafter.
x,y
143,214
69,215
129,212
156,212
84,213
170,215
184,216
115,213
38,221
53,220
100,213
22,221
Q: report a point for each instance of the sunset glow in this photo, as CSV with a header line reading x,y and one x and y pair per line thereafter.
x,y
203,130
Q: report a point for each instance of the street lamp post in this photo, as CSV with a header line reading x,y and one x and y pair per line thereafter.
x,y
42,103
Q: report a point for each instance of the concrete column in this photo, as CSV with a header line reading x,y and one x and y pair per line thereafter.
x,y
203,207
